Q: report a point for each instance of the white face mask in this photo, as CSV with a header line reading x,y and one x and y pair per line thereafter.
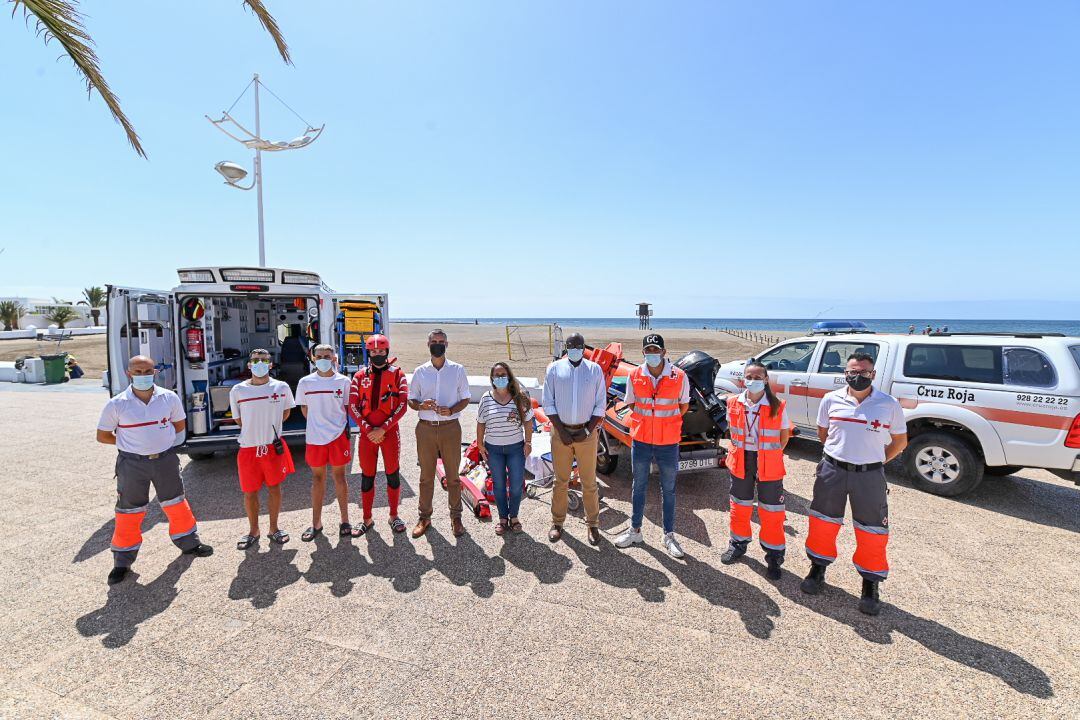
x,y
142,382
324,364
260,369
755,386
575,354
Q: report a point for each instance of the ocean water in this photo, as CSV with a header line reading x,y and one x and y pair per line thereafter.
x,y
897,325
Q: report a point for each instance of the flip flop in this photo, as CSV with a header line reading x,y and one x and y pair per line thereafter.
x,y
247,541
280,537
311,533
345,530
397,524
362,528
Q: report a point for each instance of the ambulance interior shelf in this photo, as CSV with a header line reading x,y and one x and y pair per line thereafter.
x,y
217,336
356,320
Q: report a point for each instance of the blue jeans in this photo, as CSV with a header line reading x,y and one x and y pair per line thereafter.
x,y
507,465
642,456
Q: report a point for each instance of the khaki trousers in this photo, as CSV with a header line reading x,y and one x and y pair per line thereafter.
x,y
432,442
563,457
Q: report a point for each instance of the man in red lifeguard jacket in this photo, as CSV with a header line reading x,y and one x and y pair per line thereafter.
x,y
378,397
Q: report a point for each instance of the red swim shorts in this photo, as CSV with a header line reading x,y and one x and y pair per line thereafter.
x,y
260,466
336,453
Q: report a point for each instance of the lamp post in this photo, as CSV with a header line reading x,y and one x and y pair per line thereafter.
x,y
234,173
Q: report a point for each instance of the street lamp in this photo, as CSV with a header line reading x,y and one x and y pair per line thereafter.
x,y
234,173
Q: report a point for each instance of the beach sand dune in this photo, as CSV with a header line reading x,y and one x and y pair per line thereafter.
x,y
474,346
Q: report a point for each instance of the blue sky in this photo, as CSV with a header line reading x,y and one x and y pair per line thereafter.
x,y
738,159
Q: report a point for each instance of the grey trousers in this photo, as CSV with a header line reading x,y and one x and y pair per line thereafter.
x,y
134,476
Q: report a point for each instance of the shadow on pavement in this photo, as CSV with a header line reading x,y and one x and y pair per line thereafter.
x,y
755,608
261,574
466,563
841,606
616,568
525,553
130,604
337,565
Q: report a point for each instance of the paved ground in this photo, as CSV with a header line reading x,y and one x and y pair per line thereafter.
x,y
981,618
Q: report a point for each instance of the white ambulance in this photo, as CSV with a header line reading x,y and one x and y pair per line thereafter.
x,y
985,404
201,332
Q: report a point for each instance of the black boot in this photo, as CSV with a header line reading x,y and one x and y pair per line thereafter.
x,y
815,580
734,552
869,603
773,571
200,550
118,574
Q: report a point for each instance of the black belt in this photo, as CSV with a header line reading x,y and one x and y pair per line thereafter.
x,y
155,456
851,467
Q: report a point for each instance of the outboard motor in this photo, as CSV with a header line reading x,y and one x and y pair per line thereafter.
x,y
707,415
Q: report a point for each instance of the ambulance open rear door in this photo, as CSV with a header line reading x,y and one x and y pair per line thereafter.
x,y
141,322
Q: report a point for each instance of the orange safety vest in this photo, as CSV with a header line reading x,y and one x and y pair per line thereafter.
x,y
655,418
770,454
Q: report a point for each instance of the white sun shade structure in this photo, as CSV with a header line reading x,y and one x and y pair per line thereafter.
x,y
234,173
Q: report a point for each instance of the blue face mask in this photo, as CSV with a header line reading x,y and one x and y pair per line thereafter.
x,y
575,354
324,364
755,386
142,382
501,383
260,369
653,359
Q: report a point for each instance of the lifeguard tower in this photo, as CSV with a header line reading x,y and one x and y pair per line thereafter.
x,y
644,312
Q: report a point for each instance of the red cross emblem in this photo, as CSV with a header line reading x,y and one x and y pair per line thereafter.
x,y
164,422
875,424
338,392
365,382
275,396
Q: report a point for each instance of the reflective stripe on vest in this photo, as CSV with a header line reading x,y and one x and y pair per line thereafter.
x,y
656,418
770,453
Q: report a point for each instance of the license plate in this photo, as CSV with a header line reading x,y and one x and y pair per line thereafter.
x,y
697,464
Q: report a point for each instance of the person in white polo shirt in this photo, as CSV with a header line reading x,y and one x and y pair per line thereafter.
x,y
260,407
439,391
862,429
142,422
323,396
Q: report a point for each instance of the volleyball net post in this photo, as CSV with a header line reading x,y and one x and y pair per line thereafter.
x,y
525,341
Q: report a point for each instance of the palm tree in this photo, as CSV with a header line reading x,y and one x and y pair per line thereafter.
x,y
61,20
61,314
10,312
95,299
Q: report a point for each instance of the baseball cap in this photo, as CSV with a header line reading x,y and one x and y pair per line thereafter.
x,y
652,339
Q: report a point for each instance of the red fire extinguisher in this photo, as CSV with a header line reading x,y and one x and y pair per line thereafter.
x,y
193,342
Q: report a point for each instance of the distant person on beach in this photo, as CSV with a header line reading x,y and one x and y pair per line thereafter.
x,y
911,330
439,391
928,330
575,399
945,329
658,394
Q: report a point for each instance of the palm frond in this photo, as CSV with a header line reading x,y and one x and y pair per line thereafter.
x,y
271,26
61,20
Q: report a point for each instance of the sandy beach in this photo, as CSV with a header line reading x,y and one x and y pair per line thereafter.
x,y
475,346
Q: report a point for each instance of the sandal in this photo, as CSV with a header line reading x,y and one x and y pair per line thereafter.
x,y
247,541
311,533
515,525
345,530
397,525
280,537
362,528
500,529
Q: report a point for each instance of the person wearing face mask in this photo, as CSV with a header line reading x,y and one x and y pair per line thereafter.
x,y
323,396
142,422
658,394
575,398
862,429
260,406
378,398
439,392
760,429
504,438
